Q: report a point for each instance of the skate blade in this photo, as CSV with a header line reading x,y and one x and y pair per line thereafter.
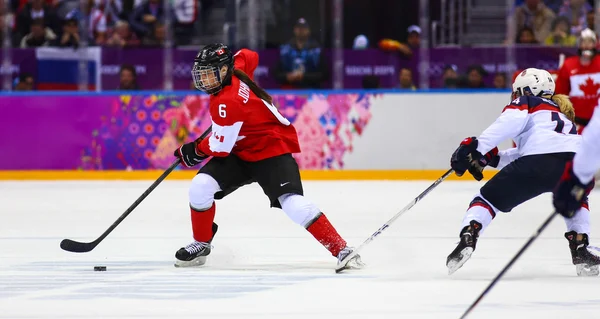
x,y
583,270
354,263
455,264
196,262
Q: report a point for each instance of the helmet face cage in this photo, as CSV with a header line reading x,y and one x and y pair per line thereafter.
x,y
206,78
206,72
522,92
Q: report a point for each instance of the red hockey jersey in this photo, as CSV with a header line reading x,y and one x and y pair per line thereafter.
x,y
245,125
581,83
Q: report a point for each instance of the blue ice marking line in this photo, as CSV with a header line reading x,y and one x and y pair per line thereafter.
x,y
66,280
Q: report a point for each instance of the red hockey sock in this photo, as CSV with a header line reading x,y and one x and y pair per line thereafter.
x,y
326,234
202,224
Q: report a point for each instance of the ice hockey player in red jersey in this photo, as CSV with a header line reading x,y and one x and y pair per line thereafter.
x,y
250,142
541,124
579,78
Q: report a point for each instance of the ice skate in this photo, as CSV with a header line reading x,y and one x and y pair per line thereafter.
x,y
353,263
194,254
466,247
586,263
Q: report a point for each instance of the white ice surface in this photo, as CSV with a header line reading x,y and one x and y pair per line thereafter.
x,y
264,266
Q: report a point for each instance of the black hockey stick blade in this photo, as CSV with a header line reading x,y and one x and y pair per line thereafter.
x,y
510,263
79,247
342,265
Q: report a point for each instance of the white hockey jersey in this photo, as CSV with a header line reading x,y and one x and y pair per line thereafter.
x,y
587,159
535,124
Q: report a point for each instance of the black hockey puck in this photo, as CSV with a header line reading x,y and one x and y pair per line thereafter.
x,y
99,268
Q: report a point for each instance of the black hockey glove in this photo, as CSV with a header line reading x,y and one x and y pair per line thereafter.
x,y
466,157
490,158
189,154
570,193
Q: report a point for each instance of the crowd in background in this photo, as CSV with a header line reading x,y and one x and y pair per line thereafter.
x,y
133,23
112,23
552,22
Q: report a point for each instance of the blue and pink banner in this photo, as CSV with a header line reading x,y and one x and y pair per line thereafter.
x,y
149,64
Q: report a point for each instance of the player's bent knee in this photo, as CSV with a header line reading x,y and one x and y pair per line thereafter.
x,y
479,198
202,191
299,209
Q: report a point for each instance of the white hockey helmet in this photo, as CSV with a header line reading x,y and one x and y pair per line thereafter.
x,y
587,34
536,82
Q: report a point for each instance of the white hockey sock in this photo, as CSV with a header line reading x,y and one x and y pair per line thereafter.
x,y
480,211
299,209
580,223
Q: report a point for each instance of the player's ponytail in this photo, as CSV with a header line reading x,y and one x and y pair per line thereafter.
x,y
260,92
565,105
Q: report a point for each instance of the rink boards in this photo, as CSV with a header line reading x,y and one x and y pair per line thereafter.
x,y
344,135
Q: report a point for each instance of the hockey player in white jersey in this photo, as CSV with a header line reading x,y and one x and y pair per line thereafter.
x,y
578,177
541,124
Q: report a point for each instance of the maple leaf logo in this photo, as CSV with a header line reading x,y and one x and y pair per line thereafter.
x,y
590,88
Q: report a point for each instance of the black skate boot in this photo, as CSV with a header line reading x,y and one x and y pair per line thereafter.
x,y
466,247
586,263
194,254
353,263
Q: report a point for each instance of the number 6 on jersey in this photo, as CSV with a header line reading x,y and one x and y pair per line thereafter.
x,y
222,111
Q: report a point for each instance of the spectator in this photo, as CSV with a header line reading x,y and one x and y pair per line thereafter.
x,y
414,37
157,38
561,33
301,62
40,35
450,77
500,81
70,34
121,36
413,42
535,15
185,13
104,14
37,9
526,36
475,74
576,13
25,82
143,18
360,42
128,78
406,80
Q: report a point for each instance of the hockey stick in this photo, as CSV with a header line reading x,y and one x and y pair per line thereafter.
x,y
79,247
342,264
510,263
